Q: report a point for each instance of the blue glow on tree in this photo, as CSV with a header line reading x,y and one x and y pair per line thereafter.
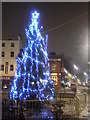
x,y
32,78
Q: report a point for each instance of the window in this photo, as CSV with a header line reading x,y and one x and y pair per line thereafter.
x,y
2,67
3,54
53,67
5,86
11,67
6,67
12,44
3,44
12,54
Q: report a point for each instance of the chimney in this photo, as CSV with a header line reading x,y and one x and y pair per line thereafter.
x,y
20,40
19,37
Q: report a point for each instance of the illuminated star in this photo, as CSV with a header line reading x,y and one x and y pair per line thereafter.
x,y
35,15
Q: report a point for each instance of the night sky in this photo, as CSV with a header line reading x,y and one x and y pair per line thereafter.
x,y
71,39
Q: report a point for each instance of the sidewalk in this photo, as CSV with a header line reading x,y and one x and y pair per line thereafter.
x,y
70,109
85,114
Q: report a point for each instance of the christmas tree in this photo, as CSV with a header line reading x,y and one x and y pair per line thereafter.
x,y
32,78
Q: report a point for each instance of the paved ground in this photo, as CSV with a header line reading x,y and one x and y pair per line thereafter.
x,y
69,108
86,111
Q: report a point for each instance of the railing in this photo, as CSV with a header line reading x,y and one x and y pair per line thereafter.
x,y
27,108
76,102
33,107
83,97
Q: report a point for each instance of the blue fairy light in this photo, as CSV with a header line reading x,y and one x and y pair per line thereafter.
x,y
32,75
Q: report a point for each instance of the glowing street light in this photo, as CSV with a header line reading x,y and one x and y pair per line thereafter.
x,y
86,76
65,71
75,67
89,62
85,73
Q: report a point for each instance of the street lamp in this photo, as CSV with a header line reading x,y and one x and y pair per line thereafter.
x,y
75,77
89,62
86,76
75,67
65,71
85,73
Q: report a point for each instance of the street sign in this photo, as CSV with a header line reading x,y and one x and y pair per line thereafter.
x,y
67,95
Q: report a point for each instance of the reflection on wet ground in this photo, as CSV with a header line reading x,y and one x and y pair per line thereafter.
x,y
44,113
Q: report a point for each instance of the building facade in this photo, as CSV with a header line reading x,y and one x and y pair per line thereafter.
x,y
55,71
9,52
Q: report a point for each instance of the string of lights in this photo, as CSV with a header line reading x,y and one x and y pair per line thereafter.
x,y
32,78
67,22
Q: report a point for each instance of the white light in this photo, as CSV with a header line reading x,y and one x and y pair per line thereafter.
x,y
79,82
89,62
75,67
65,71
74,76
83,83
32,83
5,86
86,80
85,73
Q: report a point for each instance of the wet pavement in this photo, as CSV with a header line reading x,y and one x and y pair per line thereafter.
x,y
44,114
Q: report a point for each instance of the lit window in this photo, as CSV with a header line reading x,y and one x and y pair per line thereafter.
x,y
5,87
53,67
2,67
11,67
3,44
3,54
12,54
12,44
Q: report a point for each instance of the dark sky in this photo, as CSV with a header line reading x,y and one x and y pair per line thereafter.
x,y
71,39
